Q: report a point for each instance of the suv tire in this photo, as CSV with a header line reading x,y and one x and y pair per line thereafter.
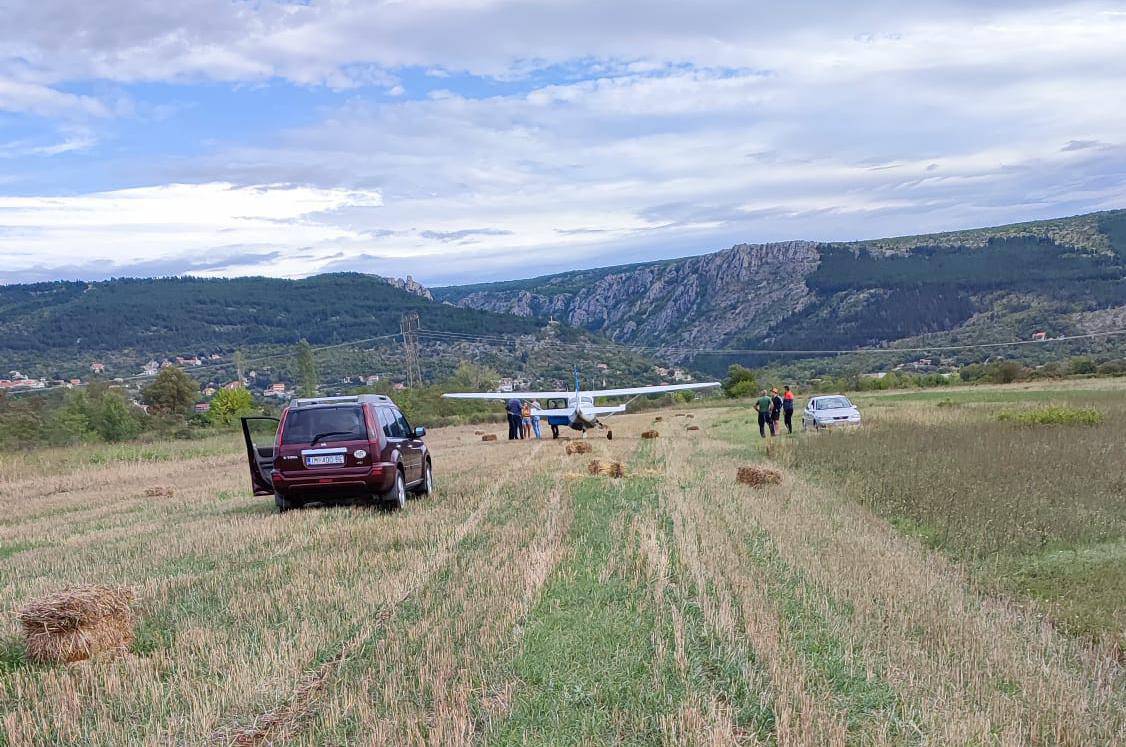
x,y
396,498
426,487
284,504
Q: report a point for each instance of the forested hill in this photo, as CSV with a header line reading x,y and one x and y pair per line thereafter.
x,y
1060,276
59,328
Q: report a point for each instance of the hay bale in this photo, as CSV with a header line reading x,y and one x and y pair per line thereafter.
x,y
578,447
649,434
489,437
758,476
77,623
606,469
693,428
478,433
689,416
155,491
658,419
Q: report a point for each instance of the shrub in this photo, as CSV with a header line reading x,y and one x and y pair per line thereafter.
x,y
1053,416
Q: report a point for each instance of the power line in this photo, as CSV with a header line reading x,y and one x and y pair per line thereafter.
x,y
778,351
610,346
210,366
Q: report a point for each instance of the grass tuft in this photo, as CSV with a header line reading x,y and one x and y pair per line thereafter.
x,y
1054,415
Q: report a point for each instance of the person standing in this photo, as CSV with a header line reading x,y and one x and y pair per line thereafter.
x,y
526,421
512,407
762,407
788,409
775,411
536,418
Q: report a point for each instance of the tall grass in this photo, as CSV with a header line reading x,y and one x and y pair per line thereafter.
x,y
1006,499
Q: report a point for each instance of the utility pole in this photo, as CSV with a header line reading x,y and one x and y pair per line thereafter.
x,y
408,325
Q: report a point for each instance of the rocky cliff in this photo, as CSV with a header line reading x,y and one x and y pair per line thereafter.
x,y
695,302
1022,278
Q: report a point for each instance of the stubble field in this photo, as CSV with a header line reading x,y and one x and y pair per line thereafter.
x,y
530,603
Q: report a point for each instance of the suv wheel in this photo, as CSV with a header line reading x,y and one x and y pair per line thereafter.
x,y
427,485
397,498
284,504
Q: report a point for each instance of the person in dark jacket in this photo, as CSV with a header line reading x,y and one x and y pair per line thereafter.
x,y
512,407
775,410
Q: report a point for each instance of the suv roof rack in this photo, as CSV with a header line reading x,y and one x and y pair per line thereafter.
x,y
357,398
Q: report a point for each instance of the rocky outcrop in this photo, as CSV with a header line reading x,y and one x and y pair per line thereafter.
x,y
410,285
697,302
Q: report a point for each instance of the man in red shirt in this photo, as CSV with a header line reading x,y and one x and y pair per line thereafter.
x,y
788,409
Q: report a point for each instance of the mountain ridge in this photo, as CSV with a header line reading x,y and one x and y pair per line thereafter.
x,y
1020,277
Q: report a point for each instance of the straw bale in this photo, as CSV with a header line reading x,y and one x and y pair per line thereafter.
x,y
489,437
649,434
658,419
758,476
607,469
578,447
78,623
693,428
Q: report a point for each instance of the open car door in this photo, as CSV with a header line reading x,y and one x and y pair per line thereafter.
x,y
260,433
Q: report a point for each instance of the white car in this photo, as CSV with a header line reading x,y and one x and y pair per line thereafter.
x,y
828,411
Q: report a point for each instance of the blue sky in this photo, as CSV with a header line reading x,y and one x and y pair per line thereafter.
x,y
490,139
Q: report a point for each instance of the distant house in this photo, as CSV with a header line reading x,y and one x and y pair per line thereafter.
x,y
189,361
165,363
236,384
1039,335
75,382
209,391
400,386
202,406
150,368
97,367
276,389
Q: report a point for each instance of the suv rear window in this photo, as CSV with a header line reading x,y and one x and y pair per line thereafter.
x,y
324,424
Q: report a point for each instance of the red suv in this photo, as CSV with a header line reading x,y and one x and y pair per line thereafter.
x,y
327,448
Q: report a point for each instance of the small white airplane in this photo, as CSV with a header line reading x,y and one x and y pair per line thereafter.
x,y
579,411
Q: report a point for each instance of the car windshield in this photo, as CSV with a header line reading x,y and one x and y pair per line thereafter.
x,y
327,424
832,403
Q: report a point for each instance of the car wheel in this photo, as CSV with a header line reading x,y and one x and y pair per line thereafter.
x,y
284,504
427,486
397,498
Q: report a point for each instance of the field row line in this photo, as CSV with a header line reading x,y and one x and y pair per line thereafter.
x,y
282,721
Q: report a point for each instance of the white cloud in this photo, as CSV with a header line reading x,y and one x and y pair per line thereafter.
x,y
666,128
184,222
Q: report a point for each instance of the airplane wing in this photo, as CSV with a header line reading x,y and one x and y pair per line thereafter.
x,y
649,389
509,395
552,413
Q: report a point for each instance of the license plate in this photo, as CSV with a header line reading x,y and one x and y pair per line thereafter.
x,y
313,461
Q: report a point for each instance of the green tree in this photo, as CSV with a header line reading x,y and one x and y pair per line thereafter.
x,y
172,392
471,377
740,381
306,369
71,423
228,405
1082,365
113,418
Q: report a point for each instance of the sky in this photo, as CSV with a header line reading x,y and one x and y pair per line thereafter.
x,y
470,140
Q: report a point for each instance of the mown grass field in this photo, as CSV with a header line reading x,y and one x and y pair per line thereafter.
x,y
529,603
